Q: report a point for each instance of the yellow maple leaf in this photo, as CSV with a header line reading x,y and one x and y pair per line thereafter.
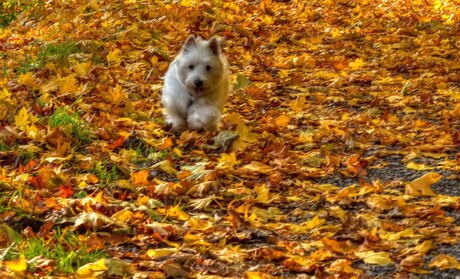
x,y
22,119
227,161
160,252
113,58
233,118
245,138
284,73
100,198
335,33
326,75
83,69
198,224
267,20
443,261
143,200
188,3
262,194
307,226
17,266
380,202
177,152
314,223
123,215
93,5
358,63
117,95
5,95
393,236
372,257
419,167
166,166
33,132
174,212
299,104
257,275
422,185
422,248
69,84
27,79
92,270
338,212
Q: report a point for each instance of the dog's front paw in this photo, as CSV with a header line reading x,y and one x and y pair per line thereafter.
x,y
201,122
178,124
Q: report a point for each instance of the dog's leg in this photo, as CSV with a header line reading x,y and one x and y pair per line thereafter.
x,y
176,114
178,123
203,117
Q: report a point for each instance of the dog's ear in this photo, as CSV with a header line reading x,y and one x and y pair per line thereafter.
x,y
214,45
189,43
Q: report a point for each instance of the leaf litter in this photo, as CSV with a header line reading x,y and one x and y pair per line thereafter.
x,y
337,157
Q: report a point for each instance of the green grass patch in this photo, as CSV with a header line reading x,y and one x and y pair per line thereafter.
x,y
56,52
72,124
105,172
11,9
65,248
25,156
4,147
4,68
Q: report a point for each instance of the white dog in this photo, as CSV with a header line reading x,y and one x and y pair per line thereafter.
x,y
196,85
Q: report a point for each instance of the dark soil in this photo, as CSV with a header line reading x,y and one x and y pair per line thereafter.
x,y
396,170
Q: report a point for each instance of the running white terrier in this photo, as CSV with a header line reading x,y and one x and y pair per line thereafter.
x,y
196,85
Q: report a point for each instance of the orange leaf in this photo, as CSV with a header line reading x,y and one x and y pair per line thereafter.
x,y
36,182
343,266
117,143
282,120
65,191
257,275
167,143
140,178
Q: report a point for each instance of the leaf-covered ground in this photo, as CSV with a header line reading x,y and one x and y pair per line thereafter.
x,y
337,157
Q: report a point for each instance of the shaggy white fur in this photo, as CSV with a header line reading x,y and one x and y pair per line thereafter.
x,y
196,85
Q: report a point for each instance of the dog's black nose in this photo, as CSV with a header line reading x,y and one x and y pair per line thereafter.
x,y
198,82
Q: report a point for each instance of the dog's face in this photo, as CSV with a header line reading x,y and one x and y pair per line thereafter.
x,y
200,66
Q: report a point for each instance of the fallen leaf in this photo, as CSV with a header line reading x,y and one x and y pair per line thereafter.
x,y
358,63
173,270
418,167
443,261
161,252
83,69
422,185
113,58
282,120
227,161
140,178
372,257
257,167
17,266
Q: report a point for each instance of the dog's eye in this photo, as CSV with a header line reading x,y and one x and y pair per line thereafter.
x,y
208,68
191,67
